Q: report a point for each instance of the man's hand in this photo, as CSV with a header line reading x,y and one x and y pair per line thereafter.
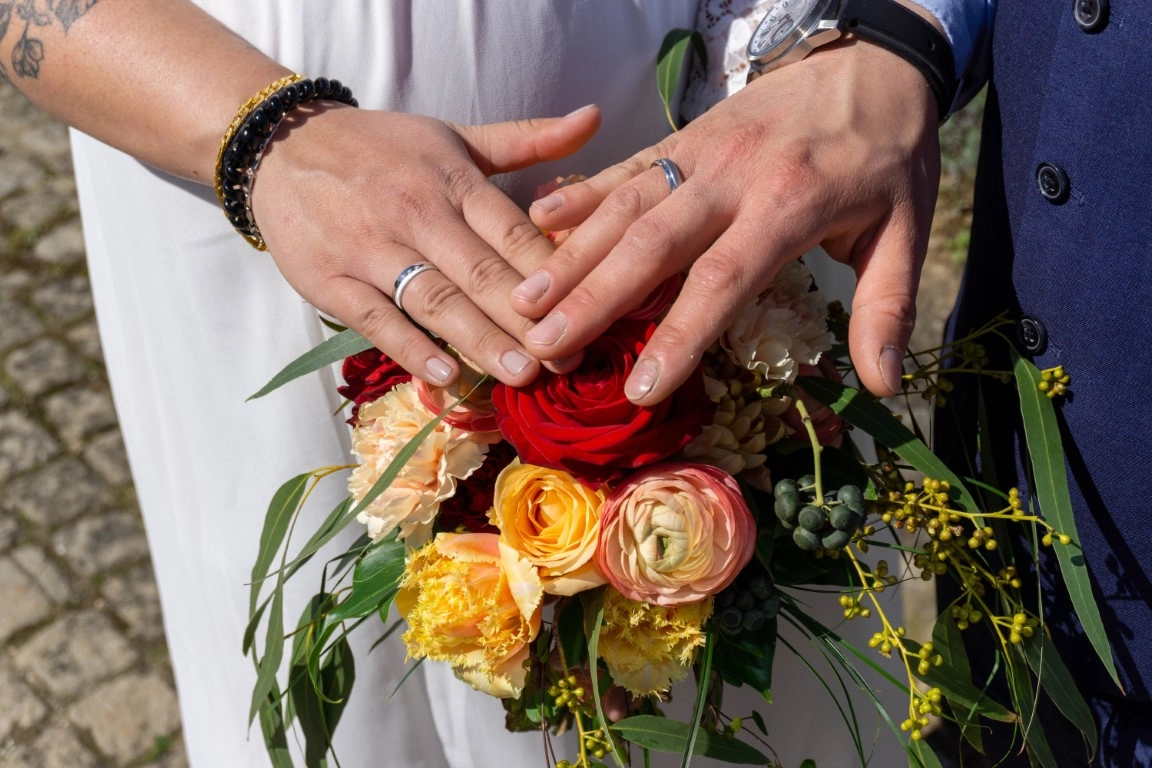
x,y
839,149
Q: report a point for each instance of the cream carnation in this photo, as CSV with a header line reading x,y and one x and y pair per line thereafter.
x,y
448,454
787,326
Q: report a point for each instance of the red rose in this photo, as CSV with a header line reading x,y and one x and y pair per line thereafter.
x,y
369,375
581,421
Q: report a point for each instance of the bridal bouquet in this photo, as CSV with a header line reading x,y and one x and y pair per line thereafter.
x,y
577,555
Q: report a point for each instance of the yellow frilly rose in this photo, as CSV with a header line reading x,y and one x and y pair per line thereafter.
x,y
648,648
553,521
473,602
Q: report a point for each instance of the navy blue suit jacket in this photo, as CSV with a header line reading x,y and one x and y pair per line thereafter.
x,y
1077,262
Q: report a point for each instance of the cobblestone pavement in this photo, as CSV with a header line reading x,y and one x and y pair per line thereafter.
x,y
84,675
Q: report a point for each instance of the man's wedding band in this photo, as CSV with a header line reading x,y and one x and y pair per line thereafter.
x,y
671,172
405,278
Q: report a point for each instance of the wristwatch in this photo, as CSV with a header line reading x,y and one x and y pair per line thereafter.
x,y
792,29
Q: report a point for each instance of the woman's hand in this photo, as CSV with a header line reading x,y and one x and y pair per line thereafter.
x,y
839,149
346,199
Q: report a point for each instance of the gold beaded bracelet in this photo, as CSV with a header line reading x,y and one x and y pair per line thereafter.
x,y
237,121
248,136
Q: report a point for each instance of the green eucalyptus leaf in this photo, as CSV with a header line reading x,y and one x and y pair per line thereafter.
x,y
273,729
330,351
1024,698
1056,681
670,64
960,691
704,679
570,632
748,661
319,703
866,413
276,522
920,755
808,764
375,580
269,664
660,734
949,643
1042,433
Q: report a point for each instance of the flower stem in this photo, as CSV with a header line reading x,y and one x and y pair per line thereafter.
x,y
816,448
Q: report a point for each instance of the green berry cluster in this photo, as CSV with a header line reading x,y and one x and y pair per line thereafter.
x,y
1022,626
746,605
827,523
567,693
1054,382
924,706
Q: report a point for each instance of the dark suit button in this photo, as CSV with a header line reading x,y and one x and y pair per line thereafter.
x,y
1033,335
1091,15
1053,183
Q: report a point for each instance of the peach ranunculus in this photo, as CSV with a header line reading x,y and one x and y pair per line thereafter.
x,y
475,603
411,502
553,521
675,533
649,648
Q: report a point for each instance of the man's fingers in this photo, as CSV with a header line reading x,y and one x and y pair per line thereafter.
x,y
571,205
884,307
510,146
598,285
722,281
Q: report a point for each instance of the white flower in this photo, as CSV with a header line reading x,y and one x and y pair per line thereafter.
x,y
787,326
412,500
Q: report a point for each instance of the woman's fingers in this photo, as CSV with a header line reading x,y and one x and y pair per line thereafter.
x,y
343,222
510,146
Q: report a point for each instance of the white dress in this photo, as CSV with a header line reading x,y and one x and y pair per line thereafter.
x,y
193,321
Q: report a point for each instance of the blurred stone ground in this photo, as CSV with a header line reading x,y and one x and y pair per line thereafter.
x,y
84,677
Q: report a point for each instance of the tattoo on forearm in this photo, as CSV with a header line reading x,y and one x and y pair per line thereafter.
x,y
28,16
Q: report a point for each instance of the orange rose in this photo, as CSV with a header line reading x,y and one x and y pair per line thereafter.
x,y
553,521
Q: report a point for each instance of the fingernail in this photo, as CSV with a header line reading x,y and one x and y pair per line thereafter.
x,y
549,204
534,288
584,108
642,380
514,361
549,330
892,367
439,370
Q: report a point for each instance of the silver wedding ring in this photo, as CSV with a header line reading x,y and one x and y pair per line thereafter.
x,y
405,278
671,172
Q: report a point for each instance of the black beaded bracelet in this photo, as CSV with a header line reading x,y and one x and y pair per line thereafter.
x,y
248,136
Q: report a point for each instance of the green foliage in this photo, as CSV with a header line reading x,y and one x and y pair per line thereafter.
x,y
342,345
674,54
1046,456
661,734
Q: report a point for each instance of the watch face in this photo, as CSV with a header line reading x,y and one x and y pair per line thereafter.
x,y
782,20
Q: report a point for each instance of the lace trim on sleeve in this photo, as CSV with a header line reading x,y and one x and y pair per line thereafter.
x,y
727,26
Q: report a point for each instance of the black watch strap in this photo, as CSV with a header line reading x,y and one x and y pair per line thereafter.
x,y
906,34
